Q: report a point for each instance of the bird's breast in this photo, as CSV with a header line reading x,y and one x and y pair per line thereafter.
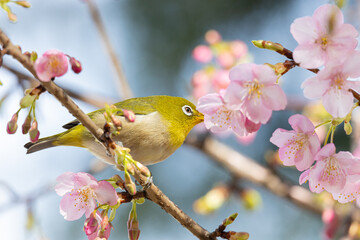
x,y
148,138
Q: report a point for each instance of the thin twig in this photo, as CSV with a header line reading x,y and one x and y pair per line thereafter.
x,y
153,192
124,85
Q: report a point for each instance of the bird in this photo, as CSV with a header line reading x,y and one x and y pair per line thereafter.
x,y
160,127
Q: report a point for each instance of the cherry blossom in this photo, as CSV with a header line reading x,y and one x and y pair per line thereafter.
x,y
255,88
80,192
322,36
299,146
52,63
331,170
220,116
331,84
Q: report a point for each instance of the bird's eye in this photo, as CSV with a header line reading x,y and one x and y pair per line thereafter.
x,y
187,110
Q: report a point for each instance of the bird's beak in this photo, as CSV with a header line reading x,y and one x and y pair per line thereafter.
x,y
199,117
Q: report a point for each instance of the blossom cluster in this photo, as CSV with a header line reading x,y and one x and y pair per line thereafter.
x,y
248,101
84,195
218,57
324,41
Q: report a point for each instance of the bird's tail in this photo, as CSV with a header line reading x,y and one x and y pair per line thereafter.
x,y
41,144
71,137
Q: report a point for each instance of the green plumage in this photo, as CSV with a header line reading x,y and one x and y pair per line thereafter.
x,y
161,126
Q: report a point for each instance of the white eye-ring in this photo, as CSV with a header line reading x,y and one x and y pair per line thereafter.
x,y
187,110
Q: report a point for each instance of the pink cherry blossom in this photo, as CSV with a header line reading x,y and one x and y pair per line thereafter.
x,y
331,84
212,37
80,192
221,80
52,63
255,88
322,36
299,146
202,54
331,170
221,117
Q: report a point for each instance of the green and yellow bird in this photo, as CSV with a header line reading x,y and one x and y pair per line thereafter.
x,y
161,126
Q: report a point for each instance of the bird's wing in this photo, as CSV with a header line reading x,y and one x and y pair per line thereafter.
x,y
129,104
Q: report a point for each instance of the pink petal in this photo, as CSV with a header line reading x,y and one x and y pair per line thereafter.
x,y
65,183
70,207
314,87
264,74
309,55
105,193
315,177
256,111
325,152
304,30
324,14
273,97
304,159
237,123
338,102
300,123
235,94
281,137
242,72
84,179
304,177
251,127
351,66
348,162
209,103
314,144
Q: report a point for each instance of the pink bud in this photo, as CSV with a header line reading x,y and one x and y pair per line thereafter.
x,y
75,65
34,132
129,115
328,215
12,124
202,54
91,224
212,37
26,125
133,224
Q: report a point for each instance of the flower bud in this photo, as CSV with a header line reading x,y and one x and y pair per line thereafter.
x,y
91,224
268,45
116,121
133,224
27,100
12,17
230,219
75,65
143,169
212,200
347,128
129,184
33,56
238,235
12,124
129,115
26,125
34,132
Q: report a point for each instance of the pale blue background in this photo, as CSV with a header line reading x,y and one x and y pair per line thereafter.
x,y
154,40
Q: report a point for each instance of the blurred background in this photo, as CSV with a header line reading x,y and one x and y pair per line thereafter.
x,y
154,40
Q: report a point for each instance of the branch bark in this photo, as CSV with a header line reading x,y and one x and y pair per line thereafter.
x,y
153,192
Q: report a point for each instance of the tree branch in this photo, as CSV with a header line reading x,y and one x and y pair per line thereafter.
x,y
153,192
124,86
243,167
